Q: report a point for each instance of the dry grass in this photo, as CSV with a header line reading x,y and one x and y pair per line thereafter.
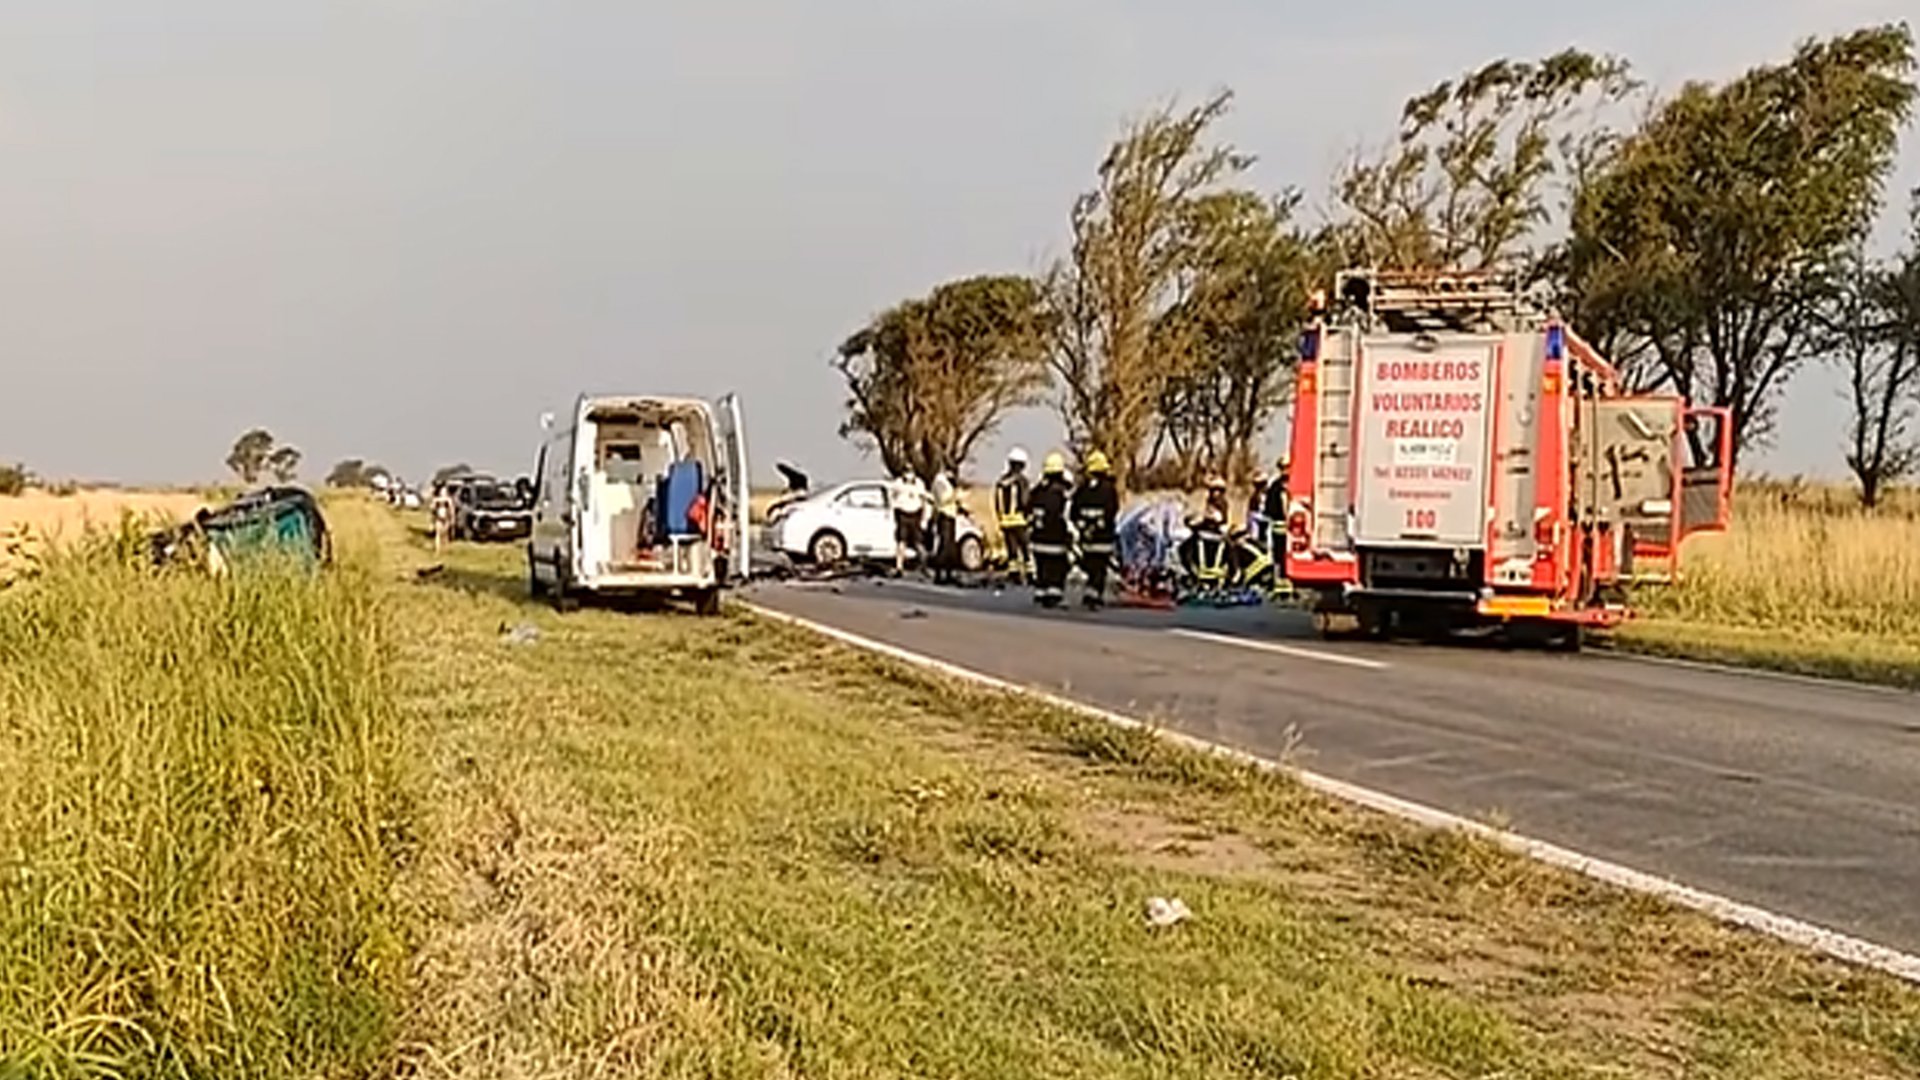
x,y
665,846
1805,581
34,522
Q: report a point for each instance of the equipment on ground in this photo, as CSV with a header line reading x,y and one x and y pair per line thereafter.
x,y
1462,459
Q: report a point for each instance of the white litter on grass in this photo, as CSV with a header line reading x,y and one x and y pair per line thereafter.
x,y
1162,912
523,634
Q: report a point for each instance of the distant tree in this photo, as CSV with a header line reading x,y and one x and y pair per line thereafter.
x,y
448,472
1133,249
14,479
1238,315
1467,183
1716,234
355,473
284,463
1872,329
929,378
248,458
347,473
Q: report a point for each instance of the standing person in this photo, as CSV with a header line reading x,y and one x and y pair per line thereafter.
x,y
1010,507
1096,510
1274,509
909,506
1051,536
442,518
946,528
1257,507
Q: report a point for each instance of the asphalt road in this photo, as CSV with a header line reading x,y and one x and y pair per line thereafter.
x,y
1798,796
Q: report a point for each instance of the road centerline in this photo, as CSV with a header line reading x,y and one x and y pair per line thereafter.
x,y
1280,650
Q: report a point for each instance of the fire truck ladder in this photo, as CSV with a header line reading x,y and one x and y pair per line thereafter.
x,y
1406,301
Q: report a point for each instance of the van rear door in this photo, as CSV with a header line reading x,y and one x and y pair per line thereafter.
x,y
737,483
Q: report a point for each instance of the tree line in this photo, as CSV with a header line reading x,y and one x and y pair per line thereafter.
x,y
1711,241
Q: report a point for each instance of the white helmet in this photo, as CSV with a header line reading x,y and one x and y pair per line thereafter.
x,y
1017,456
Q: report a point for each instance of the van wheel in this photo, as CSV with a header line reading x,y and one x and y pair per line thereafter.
x,y
827,549
535,587
562,595
707,602
973,555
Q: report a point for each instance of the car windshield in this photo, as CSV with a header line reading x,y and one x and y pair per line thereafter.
x,y
495,497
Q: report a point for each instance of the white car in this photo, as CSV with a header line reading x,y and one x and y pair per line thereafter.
x,y
854,522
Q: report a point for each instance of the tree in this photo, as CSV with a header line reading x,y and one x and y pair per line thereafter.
x,y
1238,316
448,472
1715,234
1113,350
930,377
284,463
354,473
1872,325
347,473
14,479
1466,183
248,458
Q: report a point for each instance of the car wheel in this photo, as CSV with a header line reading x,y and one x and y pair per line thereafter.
x,y
973,554
707,602
828,548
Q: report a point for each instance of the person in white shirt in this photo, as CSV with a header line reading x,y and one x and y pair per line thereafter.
x,y
946,518
909,512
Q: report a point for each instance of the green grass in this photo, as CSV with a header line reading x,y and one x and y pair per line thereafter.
x,y
665,846
343,826
201,803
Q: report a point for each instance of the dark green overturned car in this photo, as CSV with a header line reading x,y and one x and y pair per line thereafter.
x,y
280,521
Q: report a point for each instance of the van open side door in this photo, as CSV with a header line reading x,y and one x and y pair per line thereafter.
x,y
737,483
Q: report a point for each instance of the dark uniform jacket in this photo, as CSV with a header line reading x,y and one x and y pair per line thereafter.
x,y
1096,506
1047,514
1010,499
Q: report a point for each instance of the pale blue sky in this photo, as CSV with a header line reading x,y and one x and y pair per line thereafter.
x,y
399,229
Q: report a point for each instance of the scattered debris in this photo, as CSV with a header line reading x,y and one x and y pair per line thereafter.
x,y
914,613
427,572
522,634
1162,912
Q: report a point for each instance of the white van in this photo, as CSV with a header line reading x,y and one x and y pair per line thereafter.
x,y
641,495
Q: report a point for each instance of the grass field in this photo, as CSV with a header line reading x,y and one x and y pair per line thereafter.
x,y
1805,581
349,828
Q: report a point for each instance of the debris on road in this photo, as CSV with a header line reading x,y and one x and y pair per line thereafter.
x,y
1162,912
914,613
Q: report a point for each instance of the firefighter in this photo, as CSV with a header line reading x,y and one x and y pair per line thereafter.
x,y
1275,510
1096,509
1010,506
1204,553
1049,532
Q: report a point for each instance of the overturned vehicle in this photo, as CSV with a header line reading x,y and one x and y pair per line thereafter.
x,y
274,522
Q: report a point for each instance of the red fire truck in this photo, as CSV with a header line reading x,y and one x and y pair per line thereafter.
x,y
1461,459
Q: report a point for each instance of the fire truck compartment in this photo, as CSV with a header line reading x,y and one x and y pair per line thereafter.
x,y
1424,570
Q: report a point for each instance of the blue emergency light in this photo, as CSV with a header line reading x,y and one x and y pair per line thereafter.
x,y
1556,342
1310,345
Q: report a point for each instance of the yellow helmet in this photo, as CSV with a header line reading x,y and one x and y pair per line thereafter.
x,y
1055,465
1216,482
1097,462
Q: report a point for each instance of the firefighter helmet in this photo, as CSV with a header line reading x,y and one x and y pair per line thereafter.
x,y
1216,482
1097,463
1017,456
1055,465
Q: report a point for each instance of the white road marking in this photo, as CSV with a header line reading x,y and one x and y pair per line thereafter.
x,y
1282,650
1831,943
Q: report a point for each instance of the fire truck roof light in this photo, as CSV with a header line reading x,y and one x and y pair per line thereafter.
x,y
1556,342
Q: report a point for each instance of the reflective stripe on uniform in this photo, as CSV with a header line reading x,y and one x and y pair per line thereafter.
x,y
1047,549
1013,521
1096,549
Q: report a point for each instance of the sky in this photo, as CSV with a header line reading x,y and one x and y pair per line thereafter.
x,y
400,230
